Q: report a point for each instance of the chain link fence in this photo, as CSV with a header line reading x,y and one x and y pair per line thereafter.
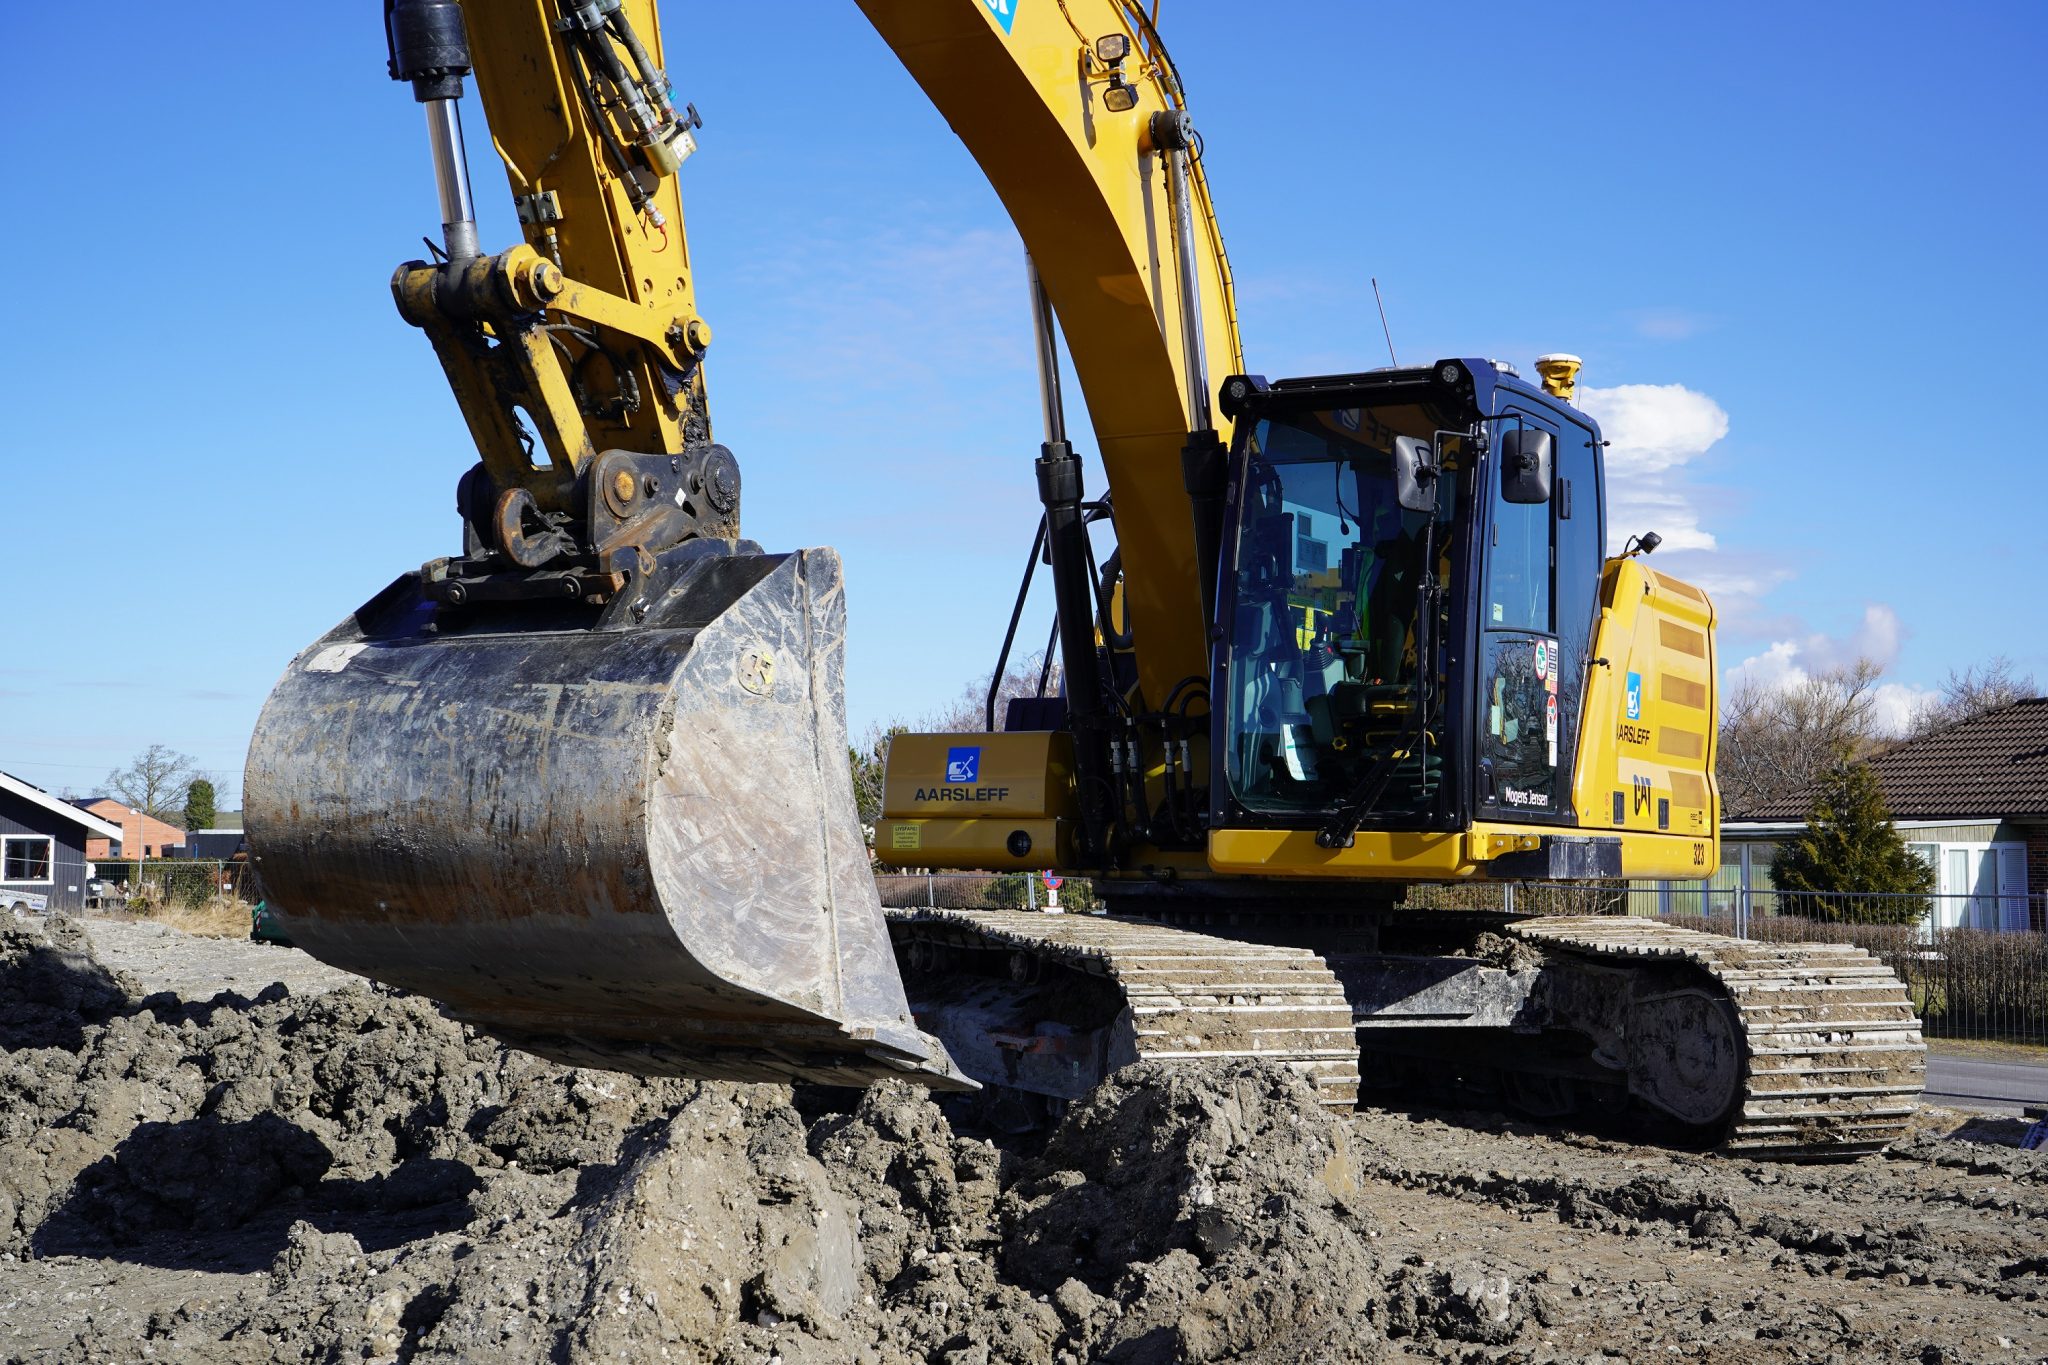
x,y
118,884
983,891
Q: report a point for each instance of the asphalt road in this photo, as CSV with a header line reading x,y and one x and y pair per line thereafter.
x,y
1981,1084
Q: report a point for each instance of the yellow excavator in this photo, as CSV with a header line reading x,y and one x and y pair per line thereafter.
x,y
586,782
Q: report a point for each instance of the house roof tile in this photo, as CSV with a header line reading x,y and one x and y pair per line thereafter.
x,y
1992,766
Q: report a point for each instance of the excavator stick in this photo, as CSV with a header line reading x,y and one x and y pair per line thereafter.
x,y
629,844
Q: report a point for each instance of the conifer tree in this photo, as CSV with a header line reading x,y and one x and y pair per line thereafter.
x,y
1851,845
199,811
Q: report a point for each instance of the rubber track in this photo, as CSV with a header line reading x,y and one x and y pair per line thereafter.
x,y
1191,996
1833,1060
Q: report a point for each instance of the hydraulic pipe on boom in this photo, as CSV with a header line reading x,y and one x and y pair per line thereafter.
x,y
1073,572
1204,462
430,48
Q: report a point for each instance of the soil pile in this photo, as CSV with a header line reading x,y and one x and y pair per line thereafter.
x,y
1200,1213
384,1184
352,1177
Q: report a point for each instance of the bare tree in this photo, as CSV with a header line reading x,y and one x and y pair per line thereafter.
x,y
969,711
868,757
155,782
1776,740
1979,688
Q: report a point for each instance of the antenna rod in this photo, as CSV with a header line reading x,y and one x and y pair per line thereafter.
x,y
1383,321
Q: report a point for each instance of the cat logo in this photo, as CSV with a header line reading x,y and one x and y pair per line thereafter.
x,y
1641,786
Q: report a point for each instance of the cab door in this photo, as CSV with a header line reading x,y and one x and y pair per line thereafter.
x,y
1517,757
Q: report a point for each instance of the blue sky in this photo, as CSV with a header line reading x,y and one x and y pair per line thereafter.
x,y
1800,248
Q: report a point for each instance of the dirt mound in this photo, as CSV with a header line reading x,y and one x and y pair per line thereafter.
x,y
353,1177
1206,1210
51,986
391,1186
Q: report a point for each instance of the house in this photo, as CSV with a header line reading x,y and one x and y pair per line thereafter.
x,y
1970,798
140,835
42,848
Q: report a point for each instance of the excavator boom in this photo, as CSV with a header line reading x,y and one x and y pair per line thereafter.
x,y
586,782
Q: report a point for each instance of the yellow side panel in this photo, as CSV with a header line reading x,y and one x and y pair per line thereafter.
x,y
1024,774
1410,856
974,843
1648,740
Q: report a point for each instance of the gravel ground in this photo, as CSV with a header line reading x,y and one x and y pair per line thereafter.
x,y
285,1175
162,959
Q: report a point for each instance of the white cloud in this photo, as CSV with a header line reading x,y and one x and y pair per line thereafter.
x,y
1897,704
1876,639
1653,432
1775,668
1789,663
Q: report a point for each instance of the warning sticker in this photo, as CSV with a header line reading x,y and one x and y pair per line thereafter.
x,y
1542,660
906,836
1550,726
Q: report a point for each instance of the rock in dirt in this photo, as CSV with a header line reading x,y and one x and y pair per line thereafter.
x,y
1460,1301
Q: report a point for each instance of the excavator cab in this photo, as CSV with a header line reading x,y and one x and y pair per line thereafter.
x,y
1385,527
1330,670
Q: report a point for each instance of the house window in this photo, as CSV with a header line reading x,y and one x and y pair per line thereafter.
x,y
25,859
1983,886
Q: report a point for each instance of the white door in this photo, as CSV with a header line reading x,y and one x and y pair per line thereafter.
x,y
1984,886
2012,887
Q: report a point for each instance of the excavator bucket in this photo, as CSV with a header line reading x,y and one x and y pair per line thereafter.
x,y
628,845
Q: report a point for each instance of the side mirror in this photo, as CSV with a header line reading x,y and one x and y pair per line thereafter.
x,y
1525,461
1414,474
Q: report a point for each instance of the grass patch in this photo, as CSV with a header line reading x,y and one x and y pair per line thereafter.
x,y
217,917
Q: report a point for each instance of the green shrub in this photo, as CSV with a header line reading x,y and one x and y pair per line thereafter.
x,y
1851,845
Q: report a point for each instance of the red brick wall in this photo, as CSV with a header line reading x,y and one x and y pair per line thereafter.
x,y
140,833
